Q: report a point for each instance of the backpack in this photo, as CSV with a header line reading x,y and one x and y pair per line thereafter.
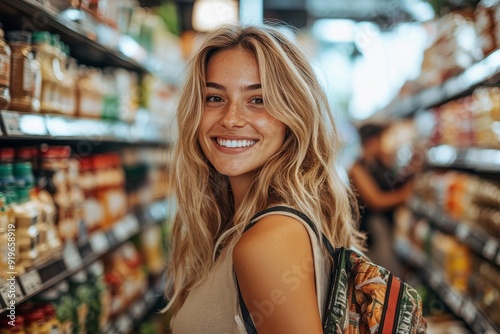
x,y
362,298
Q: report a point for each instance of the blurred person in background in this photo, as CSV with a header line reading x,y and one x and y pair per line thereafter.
x,y
380,190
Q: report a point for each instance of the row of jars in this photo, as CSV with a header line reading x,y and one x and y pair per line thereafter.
x,y
38,75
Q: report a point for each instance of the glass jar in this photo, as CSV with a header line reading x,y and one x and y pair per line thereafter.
x,y
5,55
25,75
44,51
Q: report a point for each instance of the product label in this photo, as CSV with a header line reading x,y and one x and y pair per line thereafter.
x,y
4,70
27,76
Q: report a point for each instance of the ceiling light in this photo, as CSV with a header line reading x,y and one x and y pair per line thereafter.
x,y
209,14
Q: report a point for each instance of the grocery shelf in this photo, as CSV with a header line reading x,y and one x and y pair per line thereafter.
x,y
20,125
76,257
477,240
137,311
461,304
34,15
477,159
476,74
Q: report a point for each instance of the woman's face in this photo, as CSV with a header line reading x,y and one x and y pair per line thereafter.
x,y
236,132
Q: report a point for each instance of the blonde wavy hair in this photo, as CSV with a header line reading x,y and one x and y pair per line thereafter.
x,y
301,174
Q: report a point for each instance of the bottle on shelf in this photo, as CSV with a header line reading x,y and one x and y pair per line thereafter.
x,y
58,72
5,55
44,51
25,74
68,100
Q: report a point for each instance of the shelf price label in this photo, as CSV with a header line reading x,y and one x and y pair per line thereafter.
x,y
71,256
454,300
31,282
463,232
138,310
123,324
10,290
469,312
120,230
490,249
99,243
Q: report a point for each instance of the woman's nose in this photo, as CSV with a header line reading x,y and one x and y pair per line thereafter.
x,y
233,116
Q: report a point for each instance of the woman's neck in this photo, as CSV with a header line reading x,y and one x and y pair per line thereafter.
x,y
239,187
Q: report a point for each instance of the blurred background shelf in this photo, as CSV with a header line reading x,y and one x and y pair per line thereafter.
x,y
477,240
476,159
25,126
34,16
481,72
76,257
460,303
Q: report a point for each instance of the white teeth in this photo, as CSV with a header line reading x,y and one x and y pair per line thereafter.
x,y
235,143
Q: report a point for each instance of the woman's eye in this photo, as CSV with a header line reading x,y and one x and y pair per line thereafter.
x,y
257,100
213,98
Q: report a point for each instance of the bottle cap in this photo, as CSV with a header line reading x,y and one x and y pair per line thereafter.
x,y
41,37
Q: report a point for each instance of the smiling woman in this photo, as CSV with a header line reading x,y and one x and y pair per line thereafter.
x,y
256,132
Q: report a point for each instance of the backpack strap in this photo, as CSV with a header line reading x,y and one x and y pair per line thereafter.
x,y
287,211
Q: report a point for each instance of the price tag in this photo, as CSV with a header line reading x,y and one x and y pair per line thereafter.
x,y
454,300
11,122
4,292
71,256
463,232
10,290
121,231
99,243
31,282
469,312
138,310
150,297
133,224
490,248
124,324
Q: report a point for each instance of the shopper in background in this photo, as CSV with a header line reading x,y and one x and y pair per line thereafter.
x,y
380,190
255,131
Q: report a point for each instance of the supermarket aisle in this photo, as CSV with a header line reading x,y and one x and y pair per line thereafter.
x,y
85,134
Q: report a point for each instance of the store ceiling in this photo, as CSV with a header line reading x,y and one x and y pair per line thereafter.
x,y
301,13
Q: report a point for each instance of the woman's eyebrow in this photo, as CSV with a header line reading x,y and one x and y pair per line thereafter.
x,y
245,88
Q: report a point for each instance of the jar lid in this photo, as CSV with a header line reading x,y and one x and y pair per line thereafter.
x,y
54,152
55,40
35,315
6,170
23,195
41,37
26,153
18,36
7,154
22,168
11,197
49,310
26,307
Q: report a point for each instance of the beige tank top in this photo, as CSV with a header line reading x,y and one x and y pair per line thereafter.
x,y
212,306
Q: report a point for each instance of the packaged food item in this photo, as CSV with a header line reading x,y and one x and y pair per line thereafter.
x,y
25,78
5,55
27,233
484,16
44,53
